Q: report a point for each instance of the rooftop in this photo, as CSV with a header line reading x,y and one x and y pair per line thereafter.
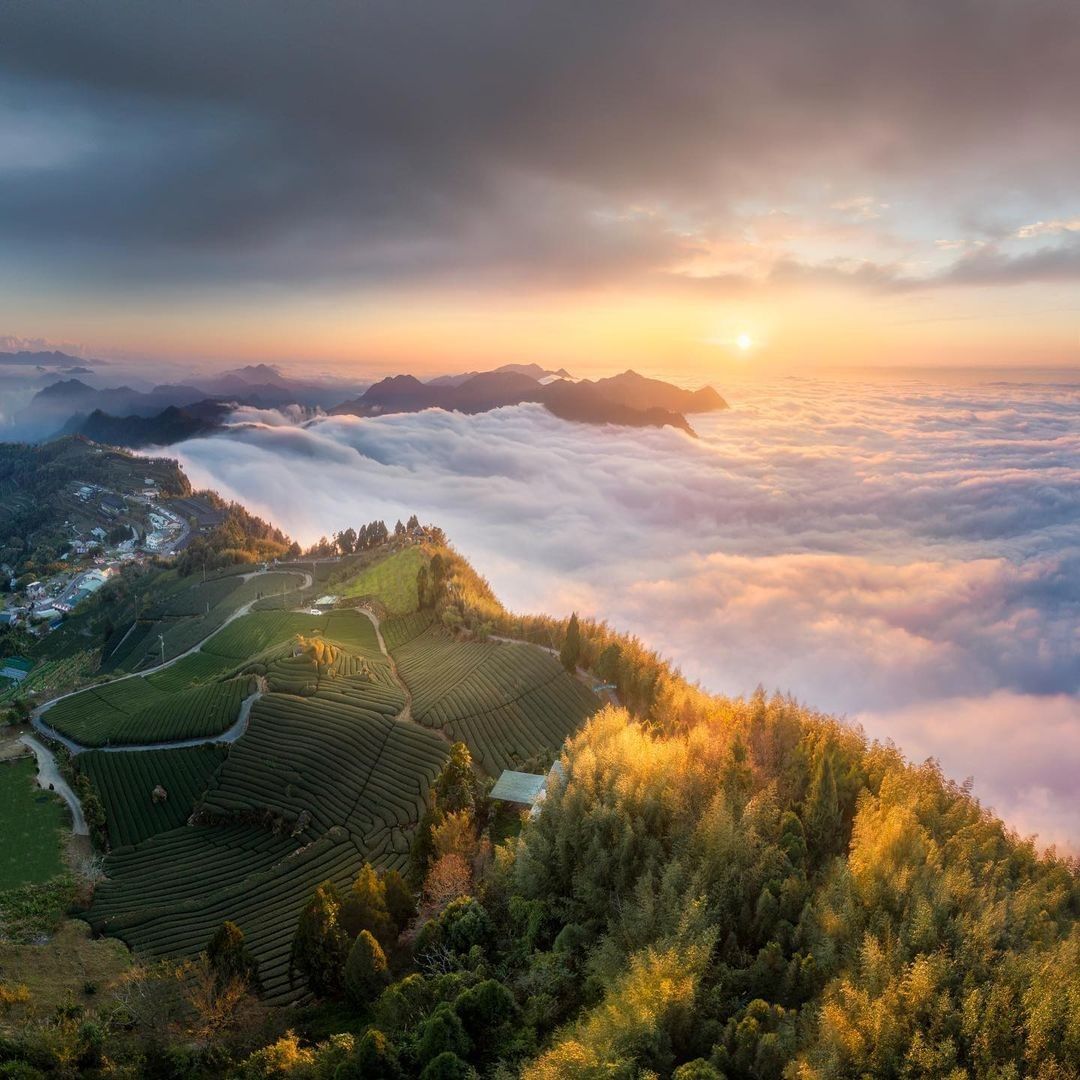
x,y
518,787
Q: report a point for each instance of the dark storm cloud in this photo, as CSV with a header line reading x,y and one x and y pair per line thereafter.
x,y
350,140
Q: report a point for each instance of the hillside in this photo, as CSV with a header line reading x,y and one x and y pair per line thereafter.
x,y
713,888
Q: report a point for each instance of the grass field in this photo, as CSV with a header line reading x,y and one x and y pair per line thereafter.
x,y
32,824
393,581
58,972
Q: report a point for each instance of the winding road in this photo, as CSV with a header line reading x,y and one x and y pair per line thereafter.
x,y
48,770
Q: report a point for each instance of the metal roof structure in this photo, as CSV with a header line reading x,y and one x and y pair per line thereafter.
x,y
518,787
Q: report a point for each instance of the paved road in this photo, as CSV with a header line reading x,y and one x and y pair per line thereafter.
x,y
49,777
244,609
49,772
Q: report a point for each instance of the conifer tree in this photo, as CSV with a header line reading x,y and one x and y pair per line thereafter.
x,y
365,970
400,902
320,945
364,908
230,958
570,653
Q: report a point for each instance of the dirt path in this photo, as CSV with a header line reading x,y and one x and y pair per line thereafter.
x,y
406,712
49,778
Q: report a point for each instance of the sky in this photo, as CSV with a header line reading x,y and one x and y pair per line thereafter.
x,y
904,554
427,186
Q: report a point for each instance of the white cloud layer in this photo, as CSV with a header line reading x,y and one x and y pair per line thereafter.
x,y
908,556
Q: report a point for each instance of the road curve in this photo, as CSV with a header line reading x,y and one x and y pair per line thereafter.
x,y
244,609
49,777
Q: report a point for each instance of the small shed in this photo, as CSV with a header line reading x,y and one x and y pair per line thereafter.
x,y
518,787
527,789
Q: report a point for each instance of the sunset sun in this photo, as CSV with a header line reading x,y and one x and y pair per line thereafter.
x,y
744,341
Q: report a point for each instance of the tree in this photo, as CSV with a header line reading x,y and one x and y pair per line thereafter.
x,y
447,1066
821,808
364,908
448,878
374,1057
456,835
399,528
365,970
484,1010
400,902
570,653
456,786
230,958
423,588
320,946
413,523
607,664
441,1033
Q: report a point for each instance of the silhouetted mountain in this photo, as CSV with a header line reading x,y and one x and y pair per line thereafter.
x,y
638,392
46,358
534,371
171,425
626,399
60,400
585,404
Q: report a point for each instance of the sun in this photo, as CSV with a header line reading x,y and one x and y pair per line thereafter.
x,y
744,341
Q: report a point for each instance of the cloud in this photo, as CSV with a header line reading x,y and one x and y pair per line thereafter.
x,y
1024,752
1043,228
874,550
355,143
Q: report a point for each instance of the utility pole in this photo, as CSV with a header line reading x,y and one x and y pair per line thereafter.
x,y
161,638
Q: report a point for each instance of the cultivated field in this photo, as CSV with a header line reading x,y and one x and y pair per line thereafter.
x,y
332,769
391,581
509,703
126,784
134,711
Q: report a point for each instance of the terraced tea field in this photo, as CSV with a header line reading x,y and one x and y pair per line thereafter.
x,y
135,711
167,896
333,769
126,784
183,611
508,702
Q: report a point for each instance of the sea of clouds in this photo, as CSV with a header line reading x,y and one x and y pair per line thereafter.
x,y
903,554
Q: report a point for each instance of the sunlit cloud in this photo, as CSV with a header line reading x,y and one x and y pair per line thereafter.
x,y
879,552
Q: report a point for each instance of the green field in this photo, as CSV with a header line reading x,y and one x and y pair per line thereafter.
x,y
32,823
183,611
392,581
327,774
319,783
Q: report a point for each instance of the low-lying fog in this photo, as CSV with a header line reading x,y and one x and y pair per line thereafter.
x,y
904,554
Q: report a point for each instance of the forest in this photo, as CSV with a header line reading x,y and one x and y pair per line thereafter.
x,y
715,888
